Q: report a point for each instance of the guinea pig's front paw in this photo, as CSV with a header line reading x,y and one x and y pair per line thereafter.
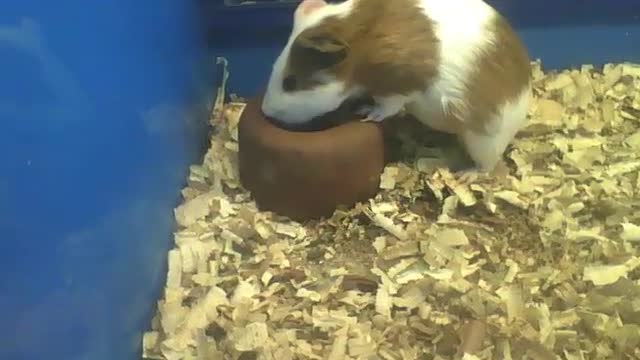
x,y
468,176
471,175
376,113
365,111
383,108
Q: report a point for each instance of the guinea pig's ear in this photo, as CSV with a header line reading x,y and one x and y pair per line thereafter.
x,y
321,48
308,6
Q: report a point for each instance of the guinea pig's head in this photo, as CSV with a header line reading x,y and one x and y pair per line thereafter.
x,y
305,82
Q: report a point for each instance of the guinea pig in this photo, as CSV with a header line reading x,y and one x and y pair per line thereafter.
x,y
455,65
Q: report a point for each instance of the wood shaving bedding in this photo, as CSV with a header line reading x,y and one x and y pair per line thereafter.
x,y
538,261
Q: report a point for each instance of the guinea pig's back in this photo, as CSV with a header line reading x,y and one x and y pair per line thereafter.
x,y
483,64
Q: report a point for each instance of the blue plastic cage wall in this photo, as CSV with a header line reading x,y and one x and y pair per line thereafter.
x,y
103,108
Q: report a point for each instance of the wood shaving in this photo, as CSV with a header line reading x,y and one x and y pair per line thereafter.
x,y
541,261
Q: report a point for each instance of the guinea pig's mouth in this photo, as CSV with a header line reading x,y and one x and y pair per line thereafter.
x,y
345,113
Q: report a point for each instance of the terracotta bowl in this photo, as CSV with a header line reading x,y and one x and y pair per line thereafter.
x,y
307,172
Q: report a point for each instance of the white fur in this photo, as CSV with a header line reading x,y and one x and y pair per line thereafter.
x,y
461,27
302,106
486,150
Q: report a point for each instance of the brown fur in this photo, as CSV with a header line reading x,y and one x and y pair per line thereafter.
x,y
379,41
500,76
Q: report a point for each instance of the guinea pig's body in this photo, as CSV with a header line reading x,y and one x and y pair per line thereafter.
x,y
456,65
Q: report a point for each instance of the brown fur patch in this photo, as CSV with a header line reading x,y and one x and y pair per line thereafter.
x,y
314,50
391,48
499,76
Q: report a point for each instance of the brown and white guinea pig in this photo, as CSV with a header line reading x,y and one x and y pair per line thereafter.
x,y
456,65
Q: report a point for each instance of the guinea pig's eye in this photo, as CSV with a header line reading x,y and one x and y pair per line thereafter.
x,y
289,83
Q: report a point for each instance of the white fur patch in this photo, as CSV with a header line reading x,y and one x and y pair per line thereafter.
x,y
302,106
486,150
462,28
